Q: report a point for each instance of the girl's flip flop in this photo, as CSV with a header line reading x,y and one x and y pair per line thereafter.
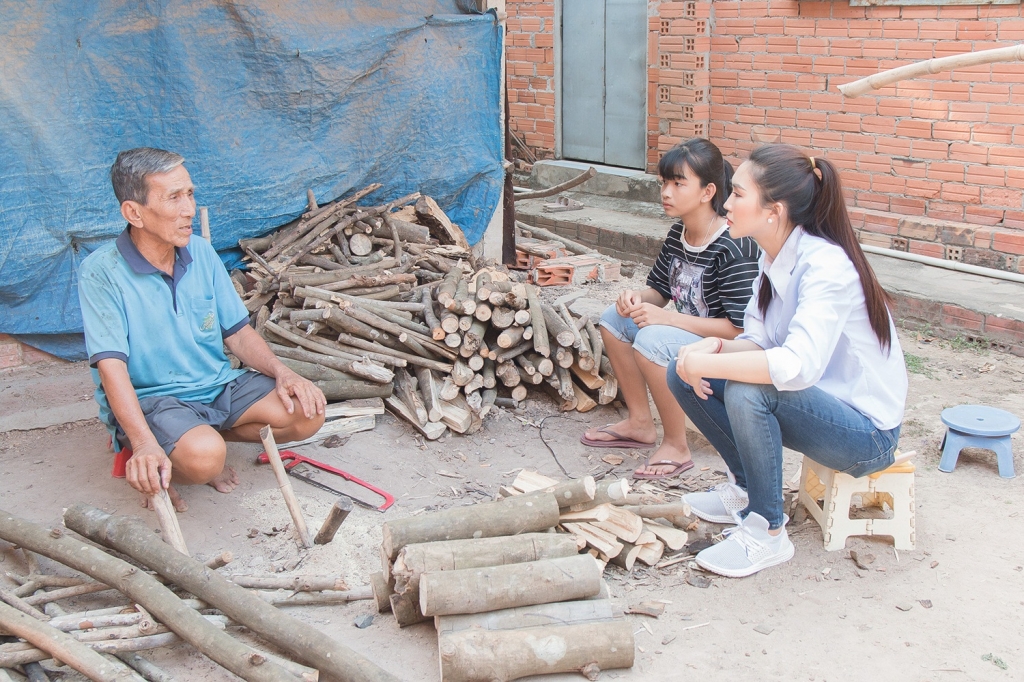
x,y
619,442
679,467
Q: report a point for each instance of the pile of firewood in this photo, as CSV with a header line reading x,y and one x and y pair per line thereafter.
x,y
388,301
496,580
182,599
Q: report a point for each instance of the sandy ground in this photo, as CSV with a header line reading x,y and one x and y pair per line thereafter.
x,y
953,609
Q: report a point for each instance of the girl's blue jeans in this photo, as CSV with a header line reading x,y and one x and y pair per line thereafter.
x,y
750,423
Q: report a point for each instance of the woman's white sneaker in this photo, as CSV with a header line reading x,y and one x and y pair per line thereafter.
x,y
747,549
721,504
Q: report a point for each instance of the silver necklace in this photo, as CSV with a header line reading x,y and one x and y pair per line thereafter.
x,y
703,241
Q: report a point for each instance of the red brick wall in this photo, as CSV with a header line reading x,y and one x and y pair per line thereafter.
x,y
16,354
945,152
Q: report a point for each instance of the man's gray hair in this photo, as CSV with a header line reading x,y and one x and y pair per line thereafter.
x,y
132,167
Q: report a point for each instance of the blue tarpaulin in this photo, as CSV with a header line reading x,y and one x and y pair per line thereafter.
x,y
264,99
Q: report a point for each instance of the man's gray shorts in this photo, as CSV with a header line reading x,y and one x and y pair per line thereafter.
x,y
170,418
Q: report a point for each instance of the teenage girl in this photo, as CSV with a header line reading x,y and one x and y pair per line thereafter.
x,y
818,367
706,274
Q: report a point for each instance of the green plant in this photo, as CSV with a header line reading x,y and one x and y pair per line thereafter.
x,y
915,364
963,342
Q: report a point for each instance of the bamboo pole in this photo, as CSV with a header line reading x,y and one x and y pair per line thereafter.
x,y
880,80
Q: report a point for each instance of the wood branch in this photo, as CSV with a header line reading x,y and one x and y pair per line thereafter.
x,y
449,389
522,318
296,583
564,357
519,393
576,491
461,373
557,189
565,388
476,362
382,591
19,604
430,430
430,317
335,277
335,517
537,321
306,642
488,519
473,655
483,312
148,670
285,485
339,389
517,299
483,288
487,398
660,511
42,597
449,323
510,337
356,368
541,233
508,374
407,232
325,598
536,615
596,345
488,374
584,403
168,520
142,587
930,66
63,647
449,285
557,327
390,355
477,590
607,393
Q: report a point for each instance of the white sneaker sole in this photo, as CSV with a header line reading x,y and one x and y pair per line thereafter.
x,y
711,518
750,570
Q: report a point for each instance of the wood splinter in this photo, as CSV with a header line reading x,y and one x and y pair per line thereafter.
x,y
270,445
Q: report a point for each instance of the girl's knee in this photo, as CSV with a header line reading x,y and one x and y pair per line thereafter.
x,y
739,395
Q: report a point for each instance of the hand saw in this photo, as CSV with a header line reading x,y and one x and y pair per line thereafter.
x,y
293,459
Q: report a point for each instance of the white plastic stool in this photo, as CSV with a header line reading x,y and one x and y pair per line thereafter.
x,y
827,495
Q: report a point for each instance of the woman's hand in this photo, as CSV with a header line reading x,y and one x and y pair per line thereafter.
x,y
627,302
647,314
690,364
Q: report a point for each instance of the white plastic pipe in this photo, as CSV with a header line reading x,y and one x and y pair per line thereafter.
x,y
947,264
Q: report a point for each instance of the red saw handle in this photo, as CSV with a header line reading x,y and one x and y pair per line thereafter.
x,y
297,459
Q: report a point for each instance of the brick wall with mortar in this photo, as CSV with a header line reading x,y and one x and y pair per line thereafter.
x,y
932,166
13,353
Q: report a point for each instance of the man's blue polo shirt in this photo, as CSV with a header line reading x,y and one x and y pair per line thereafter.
x,y
168,329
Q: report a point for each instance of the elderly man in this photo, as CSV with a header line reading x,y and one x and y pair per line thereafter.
x,y
159,307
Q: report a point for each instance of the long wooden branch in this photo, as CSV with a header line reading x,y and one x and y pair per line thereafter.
x,y
306,642
64,647
561,187
1014,53
144,589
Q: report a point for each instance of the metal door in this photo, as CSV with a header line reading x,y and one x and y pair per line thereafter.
x,y
604,81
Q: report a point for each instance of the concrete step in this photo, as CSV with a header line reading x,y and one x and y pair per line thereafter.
x,y
950,304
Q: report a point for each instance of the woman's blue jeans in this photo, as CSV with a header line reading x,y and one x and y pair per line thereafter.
x,y
750,423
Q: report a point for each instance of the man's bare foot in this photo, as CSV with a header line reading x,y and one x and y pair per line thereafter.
x,y
626,429
665,453
225,481
180,505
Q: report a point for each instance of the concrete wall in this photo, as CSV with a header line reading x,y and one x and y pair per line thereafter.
x,y
933,166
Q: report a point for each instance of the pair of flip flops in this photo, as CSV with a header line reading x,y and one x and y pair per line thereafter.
x,y
620,441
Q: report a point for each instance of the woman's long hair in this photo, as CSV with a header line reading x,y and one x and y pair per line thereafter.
x,y
704,160
784,174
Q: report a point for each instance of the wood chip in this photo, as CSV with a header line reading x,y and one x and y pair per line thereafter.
x,y
863,561
614,460
647,608
449,474
764,628
905,607
698,580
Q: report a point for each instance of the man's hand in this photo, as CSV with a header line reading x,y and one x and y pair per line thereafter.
x,y
627,302
149,469
647,314
310,397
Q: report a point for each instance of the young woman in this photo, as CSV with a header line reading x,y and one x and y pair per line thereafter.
x,y
818,367
706,274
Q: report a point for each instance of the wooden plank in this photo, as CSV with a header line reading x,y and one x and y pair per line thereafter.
x,y
430,430
531,481
600,513
354,408
343,426
673,538
599,539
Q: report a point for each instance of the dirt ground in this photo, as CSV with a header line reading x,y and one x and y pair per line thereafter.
x,y
953,609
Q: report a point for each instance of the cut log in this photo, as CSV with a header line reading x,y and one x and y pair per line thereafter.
x,y
490,381
565,388
453,340
651,552
449,323
488,519
596,514
406,610
407,231
306,642
519,393
544,365
456,414
476,363
510,337
335,517
487,398
564,357
430,430
529,379
349,390
141,587
604,542
465,322
673,538
483,312
461,373
522,318
448,389
536,615
660,511
477,590
430,317
406,392
382,592
537,321
508,374
359,244
448,286
416,560
482,286
502,318
285,485
512,353
476,655
428,391
588,379
441,227
627,557
584,403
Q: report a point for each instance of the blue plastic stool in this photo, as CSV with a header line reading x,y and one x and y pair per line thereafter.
x,y
978,426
